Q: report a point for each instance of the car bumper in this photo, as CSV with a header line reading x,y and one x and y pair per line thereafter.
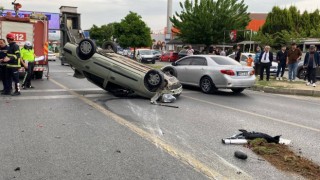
x,y
238,83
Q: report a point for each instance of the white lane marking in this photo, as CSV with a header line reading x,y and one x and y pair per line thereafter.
x,y
254,114
157,141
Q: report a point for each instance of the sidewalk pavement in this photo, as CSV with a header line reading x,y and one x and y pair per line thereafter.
x,y
298,87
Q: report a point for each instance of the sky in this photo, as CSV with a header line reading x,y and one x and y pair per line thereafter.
x,y
153,12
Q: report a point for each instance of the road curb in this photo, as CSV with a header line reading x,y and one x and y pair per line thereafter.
x,y
287,91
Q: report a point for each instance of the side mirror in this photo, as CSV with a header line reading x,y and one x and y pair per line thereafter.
x,y
173,64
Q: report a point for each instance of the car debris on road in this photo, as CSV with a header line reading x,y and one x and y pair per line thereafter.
x,y
244,136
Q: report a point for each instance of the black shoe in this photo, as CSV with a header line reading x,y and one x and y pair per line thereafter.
x,y
17,93
30,87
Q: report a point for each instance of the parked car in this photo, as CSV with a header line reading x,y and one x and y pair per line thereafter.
x,y
169,56
183,53
145,56
244,57
301,72
156,54
212,72
51,56
118,74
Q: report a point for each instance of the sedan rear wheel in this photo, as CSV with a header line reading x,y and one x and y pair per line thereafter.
x,y
207,85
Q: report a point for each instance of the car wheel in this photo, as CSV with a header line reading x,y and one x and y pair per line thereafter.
x,y
153,80
86,49
301,74
154,61
237,90
169,70
207,85
110,46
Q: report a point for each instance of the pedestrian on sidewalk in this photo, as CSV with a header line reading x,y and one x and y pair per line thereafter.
x,y
265,60
282,62
256,61
28,57
294,55
237,54
13,64
3,66
311,62
190,51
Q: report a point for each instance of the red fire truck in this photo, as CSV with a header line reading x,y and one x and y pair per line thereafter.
x,y
33,28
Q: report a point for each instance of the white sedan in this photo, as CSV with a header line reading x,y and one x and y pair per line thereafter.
x,y
212,72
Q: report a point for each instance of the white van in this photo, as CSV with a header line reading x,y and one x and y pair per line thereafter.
x,y
145,56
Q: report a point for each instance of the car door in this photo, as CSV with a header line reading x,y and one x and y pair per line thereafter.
x,y
196,70
181,67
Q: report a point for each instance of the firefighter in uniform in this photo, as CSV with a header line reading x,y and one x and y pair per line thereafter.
x,y
3,54
28,57
13,64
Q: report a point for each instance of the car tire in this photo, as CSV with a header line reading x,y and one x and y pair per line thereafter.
x,y
301,74
153,61
86,49
153,80
206,85
237,90
170,70
110,46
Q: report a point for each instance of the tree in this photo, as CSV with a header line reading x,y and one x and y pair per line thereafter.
x,y
102,34
133,32
206,21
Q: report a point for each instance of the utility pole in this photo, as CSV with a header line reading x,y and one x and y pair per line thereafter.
x,y
168,35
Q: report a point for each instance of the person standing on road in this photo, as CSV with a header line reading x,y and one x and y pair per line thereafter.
x,y
28,56
311,62
3,67
294,55
13,64
265,60
237,54
282,60
190,51
257,61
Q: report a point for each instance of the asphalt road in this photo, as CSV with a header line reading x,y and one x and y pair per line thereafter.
x,y
68,128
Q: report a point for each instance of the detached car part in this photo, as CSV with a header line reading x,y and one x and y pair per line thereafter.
x,y
115,73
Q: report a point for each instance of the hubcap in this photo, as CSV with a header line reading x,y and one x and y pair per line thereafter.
x,y
154,79
85,47
206,85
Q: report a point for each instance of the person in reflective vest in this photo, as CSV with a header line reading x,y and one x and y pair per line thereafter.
x,y
13,64
27,57
3,66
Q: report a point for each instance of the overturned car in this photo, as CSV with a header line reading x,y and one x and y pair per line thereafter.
x,y
118,74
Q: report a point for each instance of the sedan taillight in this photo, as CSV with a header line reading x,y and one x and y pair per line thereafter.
x,y
252,73
228,72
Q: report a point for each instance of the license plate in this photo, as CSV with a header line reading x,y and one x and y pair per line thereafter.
x,y
244,73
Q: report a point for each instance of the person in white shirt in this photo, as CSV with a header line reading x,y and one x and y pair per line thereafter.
x,y
190,51
265,59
